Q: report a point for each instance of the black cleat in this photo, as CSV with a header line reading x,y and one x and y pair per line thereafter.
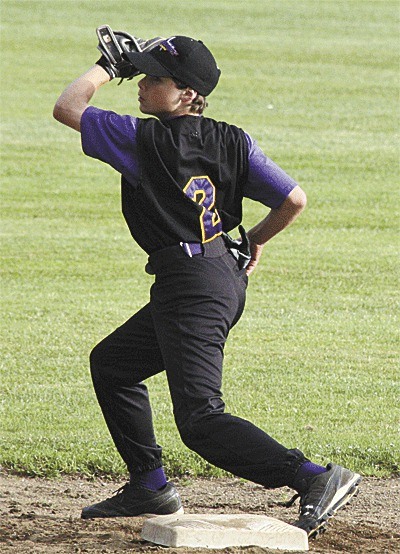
x,y
131,501
326,494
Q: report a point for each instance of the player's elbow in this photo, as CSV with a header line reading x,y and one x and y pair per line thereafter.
x,y
66,115
298,199
61,111
58,112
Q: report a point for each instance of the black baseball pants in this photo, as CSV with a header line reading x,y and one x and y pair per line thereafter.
x,y
194,303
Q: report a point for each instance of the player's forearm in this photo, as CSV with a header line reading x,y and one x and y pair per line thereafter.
x,y
279,218
76,97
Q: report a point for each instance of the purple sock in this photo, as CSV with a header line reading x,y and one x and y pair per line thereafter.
x,y
306,472
153,480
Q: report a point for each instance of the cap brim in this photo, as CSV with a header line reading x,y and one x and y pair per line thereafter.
x,y
145,63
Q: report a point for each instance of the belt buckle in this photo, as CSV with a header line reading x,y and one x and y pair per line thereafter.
x,y
192,248
186,248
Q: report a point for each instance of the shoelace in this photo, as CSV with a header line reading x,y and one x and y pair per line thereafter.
x,y
292,500
121,489
304,508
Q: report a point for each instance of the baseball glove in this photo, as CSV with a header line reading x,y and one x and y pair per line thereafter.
x,y
114,44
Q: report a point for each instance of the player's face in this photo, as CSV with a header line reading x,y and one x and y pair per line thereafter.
x,y
160,96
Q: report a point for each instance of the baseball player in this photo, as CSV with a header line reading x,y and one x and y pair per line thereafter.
x,y
183,180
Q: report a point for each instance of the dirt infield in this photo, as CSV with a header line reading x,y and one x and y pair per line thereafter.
x,y
40,515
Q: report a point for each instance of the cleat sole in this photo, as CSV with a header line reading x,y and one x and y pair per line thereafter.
x,y
322,524
178,512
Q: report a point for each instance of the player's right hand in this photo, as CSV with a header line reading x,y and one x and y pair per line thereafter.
x,y
256,251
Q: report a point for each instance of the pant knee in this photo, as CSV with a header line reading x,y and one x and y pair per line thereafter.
x,y
198,425
111,367
98,361
190,435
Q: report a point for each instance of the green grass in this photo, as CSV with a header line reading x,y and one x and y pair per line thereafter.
x,y
314,360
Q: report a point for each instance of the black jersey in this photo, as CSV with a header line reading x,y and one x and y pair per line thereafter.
x,y
193,170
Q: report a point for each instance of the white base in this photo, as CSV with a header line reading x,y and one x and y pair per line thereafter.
x,y
224,530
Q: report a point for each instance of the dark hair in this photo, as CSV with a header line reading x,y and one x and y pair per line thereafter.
x,y
199,104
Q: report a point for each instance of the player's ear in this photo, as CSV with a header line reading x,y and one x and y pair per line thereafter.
x,y
188,95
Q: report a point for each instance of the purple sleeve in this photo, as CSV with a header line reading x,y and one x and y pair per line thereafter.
x,y
111,138
267,182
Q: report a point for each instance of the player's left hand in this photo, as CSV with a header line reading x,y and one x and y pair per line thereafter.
x,y
123,70
113,46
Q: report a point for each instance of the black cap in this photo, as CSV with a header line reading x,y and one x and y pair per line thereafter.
x,y
185,59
